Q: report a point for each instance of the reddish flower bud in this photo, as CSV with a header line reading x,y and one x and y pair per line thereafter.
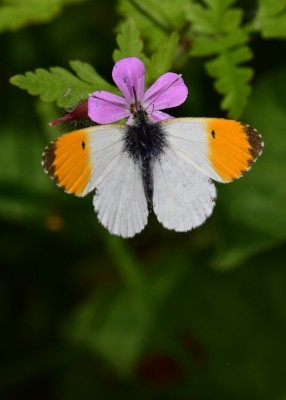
x,y
78,113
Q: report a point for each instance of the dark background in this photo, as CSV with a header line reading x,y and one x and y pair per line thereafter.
x,y
84,315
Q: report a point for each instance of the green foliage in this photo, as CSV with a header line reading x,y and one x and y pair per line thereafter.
x,y
249,201
163,58
61,86
66,89
213,28
156,19
129,42
16,14
119,329
271,19
216,31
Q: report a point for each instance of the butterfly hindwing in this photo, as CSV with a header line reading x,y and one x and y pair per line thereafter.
x,y
120,200
183,197
222,149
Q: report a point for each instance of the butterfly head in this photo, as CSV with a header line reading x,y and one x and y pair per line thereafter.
x,y
137,110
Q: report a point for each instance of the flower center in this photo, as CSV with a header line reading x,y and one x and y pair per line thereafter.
x,y
135,107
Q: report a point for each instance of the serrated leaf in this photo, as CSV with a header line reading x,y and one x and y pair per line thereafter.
x,y
155,19
258,200
61,86
270,8
88,74
254,207
129,42
17,13
271,19
216,30
232,82
162,60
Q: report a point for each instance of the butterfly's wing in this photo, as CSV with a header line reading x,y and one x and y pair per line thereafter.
x,y
120,200
94,158
221,149
199,149
183,196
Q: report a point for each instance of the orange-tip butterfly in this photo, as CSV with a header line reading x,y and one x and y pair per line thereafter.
x,y
153,162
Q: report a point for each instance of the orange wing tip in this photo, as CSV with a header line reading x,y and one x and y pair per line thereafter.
x,y
67,161
234,147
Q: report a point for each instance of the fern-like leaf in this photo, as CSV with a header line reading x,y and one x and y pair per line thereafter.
x,y
271,18
155,19
61,86
129,42
217,31
162,59
17,14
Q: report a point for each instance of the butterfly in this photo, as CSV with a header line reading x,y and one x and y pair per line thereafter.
x,y
167,166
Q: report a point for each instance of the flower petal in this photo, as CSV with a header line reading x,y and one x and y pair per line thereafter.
x,y
130,120
168,91
129,76
105,107
156,116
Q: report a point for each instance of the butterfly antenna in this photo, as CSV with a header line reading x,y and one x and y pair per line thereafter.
x,y
109,101
137,104
171,84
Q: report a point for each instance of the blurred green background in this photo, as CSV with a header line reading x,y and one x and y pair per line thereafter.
x,y
85,315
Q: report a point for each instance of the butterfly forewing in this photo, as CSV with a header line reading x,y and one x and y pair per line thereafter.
x,y
78,160
221,149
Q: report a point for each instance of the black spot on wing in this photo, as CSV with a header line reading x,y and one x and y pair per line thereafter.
x,y
213,134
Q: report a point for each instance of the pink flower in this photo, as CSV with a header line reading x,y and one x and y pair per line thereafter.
x,y
168,91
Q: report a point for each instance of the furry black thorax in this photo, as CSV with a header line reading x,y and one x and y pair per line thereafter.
x,y
145,141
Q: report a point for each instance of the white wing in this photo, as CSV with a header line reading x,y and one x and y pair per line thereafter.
x,y
189,139
183,196
106,144
120,201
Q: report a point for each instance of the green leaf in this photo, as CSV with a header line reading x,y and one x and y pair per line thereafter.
x,y
271,19
129,42
61,86
88,74
155,19
16,14
217,31
162,60
114,326
233,83
255,204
